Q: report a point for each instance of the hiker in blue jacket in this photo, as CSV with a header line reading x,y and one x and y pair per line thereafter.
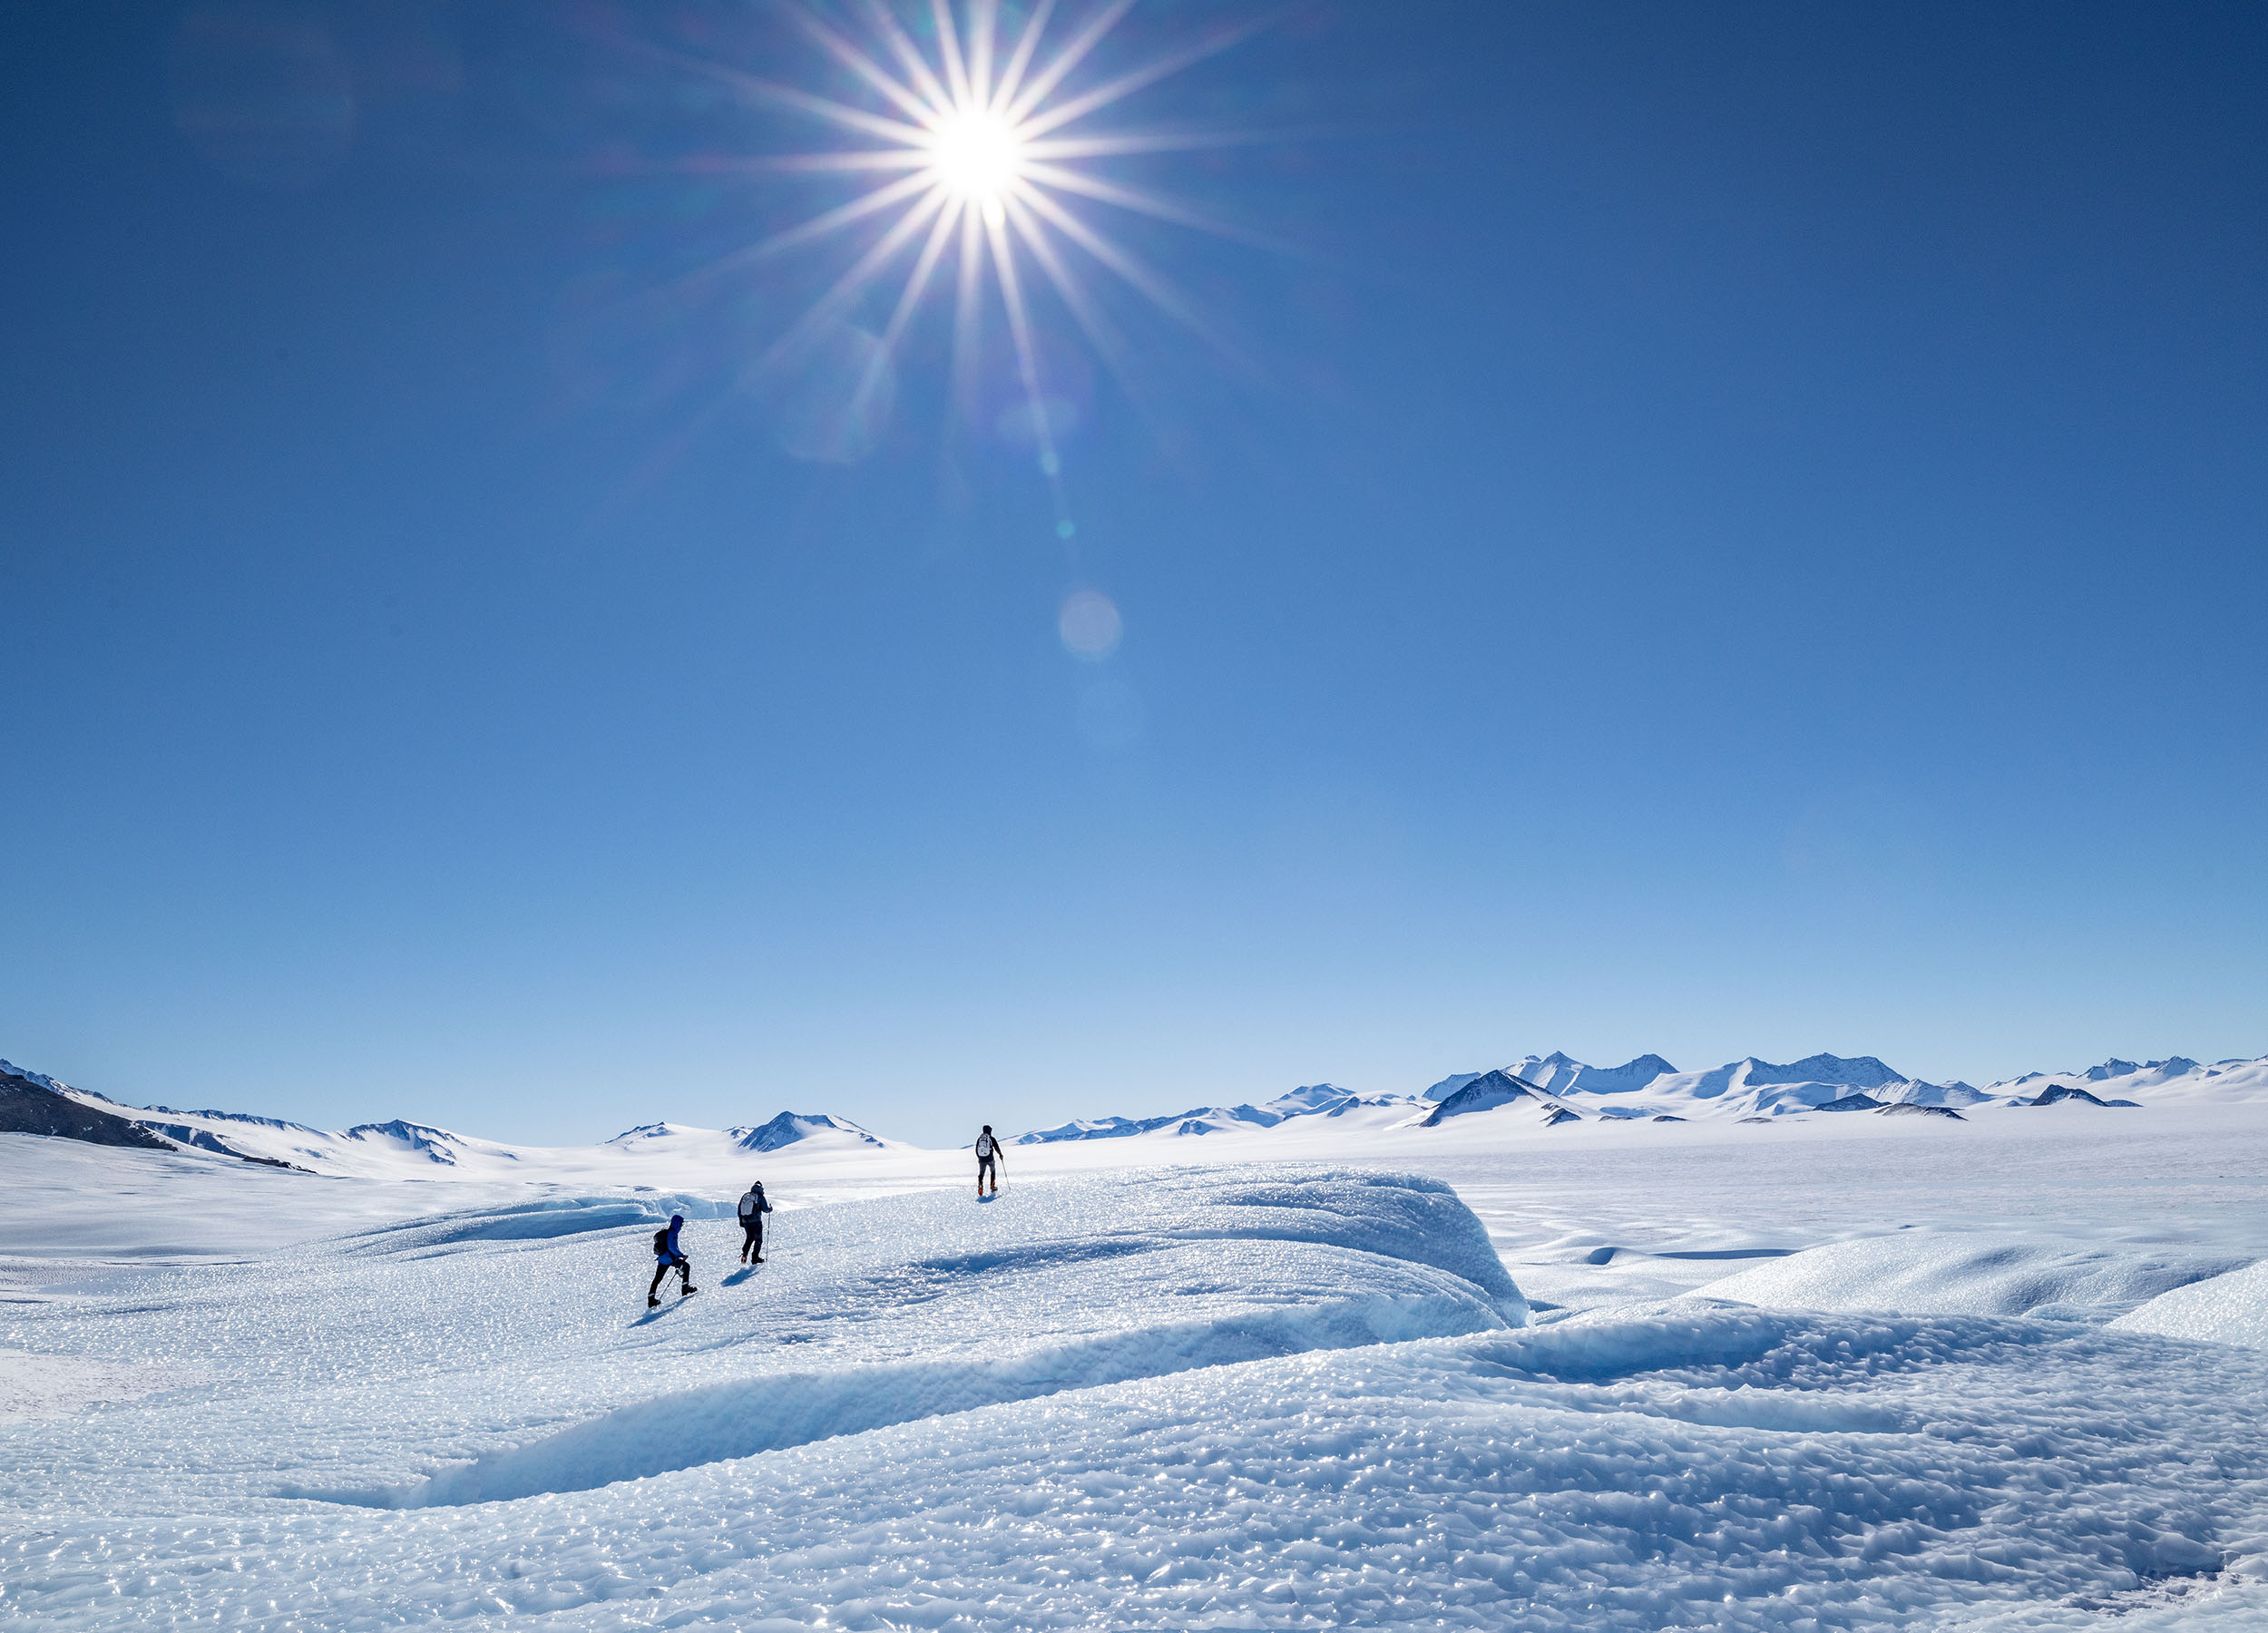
x,y
667,1258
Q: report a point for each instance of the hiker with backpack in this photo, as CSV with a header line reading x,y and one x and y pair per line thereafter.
x,y
753,1207
988,1156
667,1258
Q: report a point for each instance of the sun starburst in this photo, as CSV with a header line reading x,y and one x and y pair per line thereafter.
x,y
971,134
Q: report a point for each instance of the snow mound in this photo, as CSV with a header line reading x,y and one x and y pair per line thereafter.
x,y
543,1220
728,1421
2228,1309
1109,1281
1948,1273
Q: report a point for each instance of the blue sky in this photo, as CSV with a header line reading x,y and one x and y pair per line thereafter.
x,y
1740,531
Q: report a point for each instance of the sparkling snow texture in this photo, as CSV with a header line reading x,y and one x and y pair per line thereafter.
x,y
1262,1395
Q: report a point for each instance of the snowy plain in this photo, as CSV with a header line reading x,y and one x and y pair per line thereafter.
x,y
1830,1372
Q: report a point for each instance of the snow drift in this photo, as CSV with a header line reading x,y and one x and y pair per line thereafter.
x,y
1969,1273
2228,1309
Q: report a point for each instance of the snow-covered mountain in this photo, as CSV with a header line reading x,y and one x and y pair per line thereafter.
x,y
1552,1090
1314,1100
806,1133
1751,1088
400,1149
31,1104
815,1128
1558,1073
1558,1089
2176,1080
1491,1089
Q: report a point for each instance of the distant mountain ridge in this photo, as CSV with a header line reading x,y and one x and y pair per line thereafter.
x,y
1313,1100
1553,1090
30,1103
34,1102
1559,1089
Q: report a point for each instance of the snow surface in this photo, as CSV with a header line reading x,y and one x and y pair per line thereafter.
x,y
1286,1382
46,1386
2228,1309
1970,1272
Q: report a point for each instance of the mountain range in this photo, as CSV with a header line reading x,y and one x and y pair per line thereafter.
x,y
1558,1089
32,1102
1552,1090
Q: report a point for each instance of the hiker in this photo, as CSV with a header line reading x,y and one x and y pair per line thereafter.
x,y
669,1257
987,1160
753,1207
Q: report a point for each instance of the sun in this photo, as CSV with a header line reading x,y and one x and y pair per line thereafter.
x,y
973,156
976,155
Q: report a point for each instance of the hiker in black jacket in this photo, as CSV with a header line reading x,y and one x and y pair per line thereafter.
x,y
987,1161
753,1207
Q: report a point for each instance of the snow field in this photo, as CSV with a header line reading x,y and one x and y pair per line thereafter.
x,y
1249,1396
1687,1465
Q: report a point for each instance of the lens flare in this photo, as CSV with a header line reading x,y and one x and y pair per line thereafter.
x,y
1089,625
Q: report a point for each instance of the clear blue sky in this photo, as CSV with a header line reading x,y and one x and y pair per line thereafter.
x,y
1743,532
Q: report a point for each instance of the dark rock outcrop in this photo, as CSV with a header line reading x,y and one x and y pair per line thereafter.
x,y
2055,1094
30,1107
1485,1092
1908,1109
